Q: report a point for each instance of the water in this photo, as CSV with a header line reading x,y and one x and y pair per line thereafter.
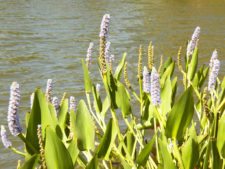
x,y
41,39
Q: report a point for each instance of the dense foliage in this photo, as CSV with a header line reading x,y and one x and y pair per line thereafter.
x,y
169,130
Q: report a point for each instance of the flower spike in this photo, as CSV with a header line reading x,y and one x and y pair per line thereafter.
x,y
6,142
155,88
48,92
13,117
194,40
146,80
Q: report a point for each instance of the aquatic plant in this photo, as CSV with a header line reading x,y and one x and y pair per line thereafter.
x,y
126,126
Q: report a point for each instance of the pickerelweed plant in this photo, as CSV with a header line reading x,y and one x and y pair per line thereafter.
x,y
170,130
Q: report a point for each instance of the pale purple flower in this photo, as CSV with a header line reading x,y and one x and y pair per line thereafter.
x,y
89,53
98,87
112,58
55,103
48,92
155,87
6,142
104,29
213,74
107,52
193,42
213,57
13,117
146,80
73,103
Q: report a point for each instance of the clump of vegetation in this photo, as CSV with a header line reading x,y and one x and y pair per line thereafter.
x,y
187,127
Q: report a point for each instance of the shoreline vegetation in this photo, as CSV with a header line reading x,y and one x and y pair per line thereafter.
x,y
187,127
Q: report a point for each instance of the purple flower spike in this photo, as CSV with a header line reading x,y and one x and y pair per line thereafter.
x,y
146,80
104,29
155,88
13,118
4,138
194,40
89,53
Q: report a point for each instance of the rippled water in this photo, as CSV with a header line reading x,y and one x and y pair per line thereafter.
x,y
41,39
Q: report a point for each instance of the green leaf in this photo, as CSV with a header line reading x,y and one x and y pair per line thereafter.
x,y
84,127
107,141
180,116
166,65
40,114
120,67
63,112
167,74
216,160
174,89
167,160
166,96
129,142
56,154
73,150
97,100
190,153
93,164
31,162
192,66
123,99
87,80
220,136
143,157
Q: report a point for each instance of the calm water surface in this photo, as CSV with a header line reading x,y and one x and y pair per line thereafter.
x,y
41,39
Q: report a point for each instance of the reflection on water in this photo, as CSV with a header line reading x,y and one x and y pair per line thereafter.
x,y
47,39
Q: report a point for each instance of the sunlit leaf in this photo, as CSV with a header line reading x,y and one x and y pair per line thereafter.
x,y
107,141
57,156
120,67
180,116
87,80
143,157
84,127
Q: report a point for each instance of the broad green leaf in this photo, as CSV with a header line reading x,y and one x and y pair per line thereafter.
x,y
167,74
73,150
216,160
123,99
145,105
97,100
53,113
165,65
84,127
129,142
120,67
107,141
56,154
192,66
31,162
167,160
87,80
174,89
180,116
220,136
105,106
166,96
190,153
143,157
63,112
40,114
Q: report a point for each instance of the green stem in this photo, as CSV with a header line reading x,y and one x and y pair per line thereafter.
x,y
21,136
156,141
17,151
102,126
